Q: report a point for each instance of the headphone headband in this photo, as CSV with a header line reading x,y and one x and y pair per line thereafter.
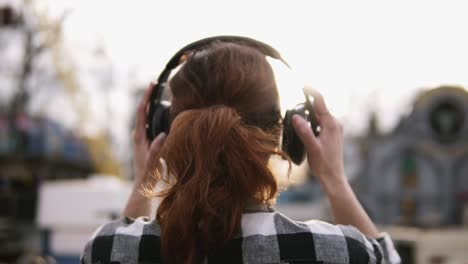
x,y
202,43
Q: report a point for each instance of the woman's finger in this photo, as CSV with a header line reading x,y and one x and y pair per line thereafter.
x,y
141,112
319,103
305,133
323,115
157,144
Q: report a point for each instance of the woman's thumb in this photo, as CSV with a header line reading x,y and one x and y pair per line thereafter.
x,y
156,145
304,131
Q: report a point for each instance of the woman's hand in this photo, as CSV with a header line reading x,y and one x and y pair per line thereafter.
x,y
325,157
144,155
324,152
143,152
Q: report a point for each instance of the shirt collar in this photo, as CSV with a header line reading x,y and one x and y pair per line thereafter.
x,y
253,207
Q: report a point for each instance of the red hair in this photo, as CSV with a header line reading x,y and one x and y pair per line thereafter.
x,y
226,125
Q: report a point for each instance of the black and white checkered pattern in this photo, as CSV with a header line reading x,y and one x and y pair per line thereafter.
x,y
267,237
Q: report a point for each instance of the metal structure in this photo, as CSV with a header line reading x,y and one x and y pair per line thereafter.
x,y
417,175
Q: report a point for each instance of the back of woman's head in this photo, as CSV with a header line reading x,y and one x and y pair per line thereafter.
x,y
226,125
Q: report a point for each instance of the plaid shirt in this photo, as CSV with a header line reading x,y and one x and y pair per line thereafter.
x,y
267,237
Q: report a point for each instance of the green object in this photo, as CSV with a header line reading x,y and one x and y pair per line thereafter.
x,y
409,164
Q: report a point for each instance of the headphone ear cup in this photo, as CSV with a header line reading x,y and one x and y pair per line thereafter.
x,y
292,144
160,121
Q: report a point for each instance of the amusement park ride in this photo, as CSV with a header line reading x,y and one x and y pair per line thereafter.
x,y
414,180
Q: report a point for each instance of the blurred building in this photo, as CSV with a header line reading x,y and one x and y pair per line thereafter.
x,y
32,150
417,175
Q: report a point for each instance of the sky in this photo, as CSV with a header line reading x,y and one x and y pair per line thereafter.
x,y
362,55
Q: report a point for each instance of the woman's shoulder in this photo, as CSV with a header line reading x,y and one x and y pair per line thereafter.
x,y
272,222
124,240
312,240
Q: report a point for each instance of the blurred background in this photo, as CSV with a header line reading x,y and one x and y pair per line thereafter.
x,y
72,72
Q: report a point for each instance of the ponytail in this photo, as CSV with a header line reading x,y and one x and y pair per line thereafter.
x,y
217,164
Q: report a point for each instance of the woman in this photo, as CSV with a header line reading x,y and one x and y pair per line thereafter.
x,y
217,203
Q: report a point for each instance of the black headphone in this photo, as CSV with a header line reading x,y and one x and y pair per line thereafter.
x,y
159,109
